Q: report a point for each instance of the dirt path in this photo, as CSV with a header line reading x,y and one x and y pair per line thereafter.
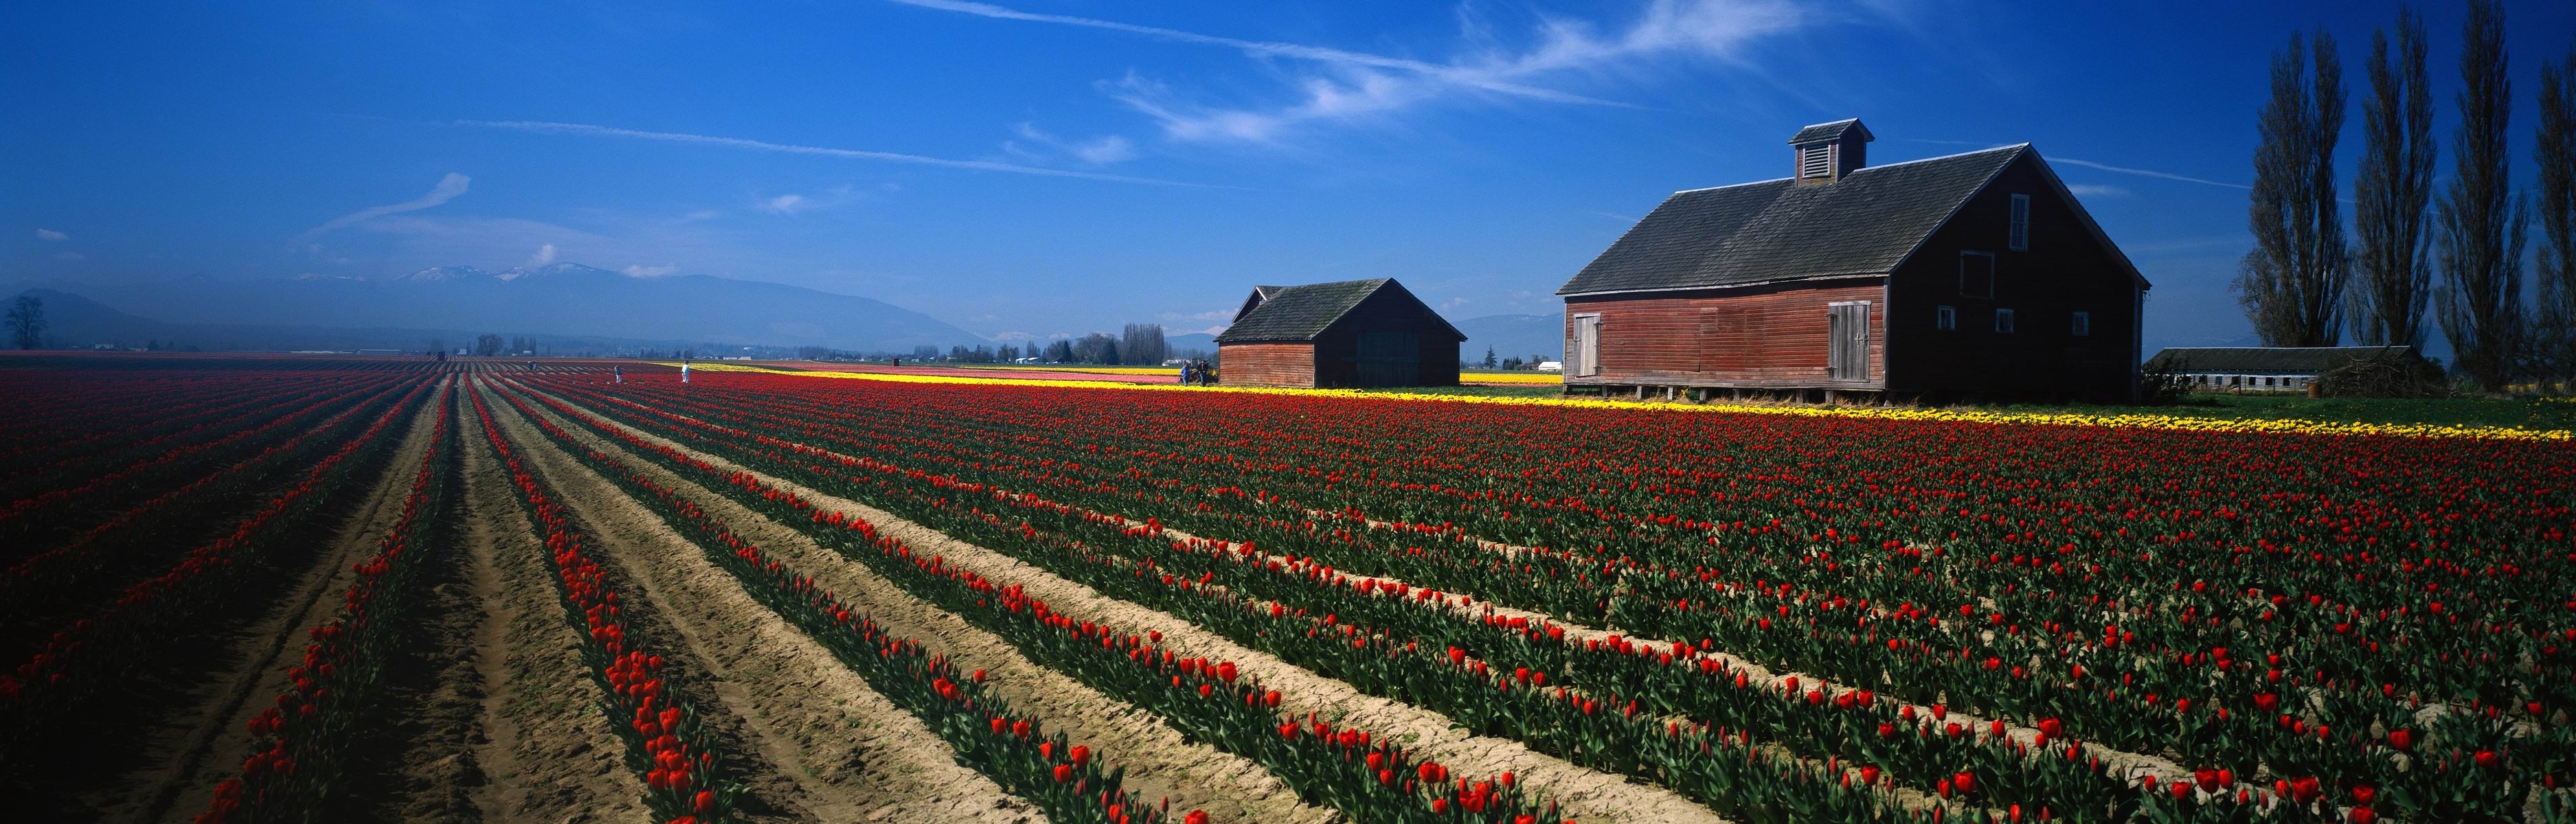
x,y
205,737
1591,795
834,749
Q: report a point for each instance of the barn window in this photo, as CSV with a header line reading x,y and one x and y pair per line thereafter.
x,y
2018,238
2004,321
2083,325
1815,160
1977,274
1946,319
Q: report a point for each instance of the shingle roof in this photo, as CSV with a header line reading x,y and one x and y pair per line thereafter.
x,y
1828,131
1294,313
1298,312
2304,359
1867,223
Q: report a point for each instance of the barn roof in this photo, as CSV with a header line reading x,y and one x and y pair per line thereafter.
x,y
1294,313
2317,359
1866,223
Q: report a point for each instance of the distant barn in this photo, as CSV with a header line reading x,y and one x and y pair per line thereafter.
x,y
1975,275
2262,368
1353,333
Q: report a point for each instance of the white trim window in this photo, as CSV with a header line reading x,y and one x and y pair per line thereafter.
x,y
2003,321
2018,237
1976,274
1946,319
2083,325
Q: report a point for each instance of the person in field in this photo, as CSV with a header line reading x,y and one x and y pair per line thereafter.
x,y
684,373
618,373
1185,373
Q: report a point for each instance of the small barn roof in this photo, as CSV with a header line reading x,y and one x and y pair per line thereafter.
x,y
2316,359
1867,223
1297,313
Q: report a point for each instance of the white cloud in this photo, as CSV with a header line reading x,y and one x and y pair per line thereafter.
x,y
1454,303
49,234
70,256
2096,190
545,255
643,271
763,146
1212,314
794,204
1352,85
447,189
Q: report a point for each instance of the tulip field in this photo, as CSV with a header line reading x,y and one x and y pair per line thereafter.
x,y
256,589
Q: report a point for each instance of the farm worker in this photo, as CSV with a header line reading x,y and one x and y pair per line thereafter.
x,y
618,372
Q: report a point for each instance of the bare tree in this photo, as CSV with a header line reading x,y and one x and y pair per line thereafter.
x,y
2390,255
2553,333
2292,283
27,321
2482,224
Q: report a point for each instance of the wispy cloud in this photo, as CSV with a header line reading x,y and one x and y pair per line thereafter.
x,y
642,271
546,127
2096,190
1212,314
2147,173
1097,152
447,189
70,256
1462,75
545,255
1355,85
49,234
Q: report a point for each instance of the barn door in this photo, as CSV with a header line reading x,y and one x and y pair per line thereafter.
x,y
1847,331
1389,359
1587,345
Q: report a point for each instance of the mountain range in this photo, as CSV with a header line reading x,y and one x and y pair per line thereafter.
x,y
560,300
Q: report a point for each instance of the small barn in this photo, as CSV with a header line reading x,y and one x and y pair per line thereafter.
x,y
1972,275
2262,368
1352,333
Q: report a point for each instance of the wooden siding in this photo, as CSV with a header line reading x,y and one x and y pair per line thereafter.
x,y
1266,364
1761,337
2063,271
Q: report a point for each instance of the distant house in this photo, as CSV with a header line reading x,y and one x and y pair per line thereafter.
x,y
1976,274
2262,368
1353,333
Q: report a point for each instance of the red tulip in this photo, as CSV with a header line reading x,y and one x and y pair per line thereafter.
x,y
2401,739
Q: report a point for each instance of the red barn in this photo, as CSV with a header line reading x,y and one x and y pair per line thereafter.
x,y
1347,334
1973,275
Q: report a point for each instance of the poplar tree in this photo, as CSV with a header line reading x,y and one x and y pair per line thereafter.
x,y
2482,225
2291,284
2391,257
2553,336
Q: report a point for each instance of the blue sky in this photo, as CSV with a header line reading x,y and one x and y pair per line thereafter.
x,y
1041,167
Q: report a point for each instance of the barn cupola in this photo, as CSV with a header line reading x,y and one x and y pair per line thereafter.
x,y
1825,152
